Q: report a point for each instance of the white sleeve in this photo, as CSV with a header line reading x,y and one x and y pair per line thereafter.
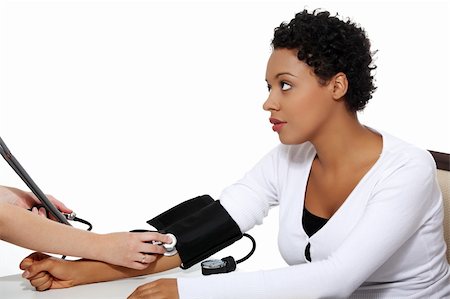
x,y
249,200
394,213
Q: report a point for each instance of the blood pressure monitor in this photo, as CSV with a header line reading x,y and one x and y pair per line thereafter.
x,y
216,266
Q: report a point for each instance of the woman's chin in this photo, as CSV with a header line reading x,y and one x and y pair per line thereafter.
x,y
290,141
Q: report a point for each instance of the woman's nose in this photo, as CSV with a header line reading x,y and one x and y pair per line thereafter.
x,y
271,104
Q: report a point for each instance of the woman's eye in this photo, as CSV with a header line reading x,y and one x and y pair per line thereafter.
x,y
269,87
285,86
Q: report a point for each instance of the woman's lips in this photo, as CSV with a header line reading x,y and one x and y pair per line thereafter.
x,y
277,124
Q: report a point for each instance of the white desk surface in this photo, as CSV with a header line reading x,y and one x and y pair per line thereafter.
x,y
16,287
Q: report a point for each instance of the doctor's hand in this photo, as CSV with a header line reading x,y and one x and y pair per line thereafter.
x,y
28,200
127,248
165,288
45,272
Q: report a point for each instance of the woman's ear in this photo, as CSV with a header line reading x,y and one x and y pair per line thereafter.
x,y
340,86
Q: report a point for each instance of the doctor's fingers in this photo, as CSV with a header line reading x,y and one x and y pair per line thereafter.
x,y
39,211
62,207
154,236
151,248
42,212
143,263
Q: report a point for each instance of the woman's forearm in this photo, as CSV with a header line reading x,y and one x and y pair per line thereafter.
x,y
23,228
88,271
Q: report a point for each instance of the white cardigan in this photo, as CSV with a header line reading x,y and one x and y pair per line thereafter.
x,y
385,241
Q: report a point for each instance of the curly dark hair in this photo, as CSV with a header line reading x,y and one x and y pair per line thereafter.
x,y
329,46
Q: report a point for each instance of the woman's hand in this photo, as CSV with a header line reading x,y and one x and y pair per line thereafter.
x,y
165,288
127,249
45,272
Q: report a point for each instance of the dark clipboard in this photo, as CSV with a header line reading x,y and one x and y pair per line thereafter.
x,y
12,161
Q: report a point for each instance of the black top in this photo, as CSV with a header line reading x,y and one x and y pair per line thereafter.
x,y
312,223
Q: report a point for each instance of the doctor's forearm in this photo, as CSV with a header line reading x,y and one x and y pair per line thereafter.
x,y
20,227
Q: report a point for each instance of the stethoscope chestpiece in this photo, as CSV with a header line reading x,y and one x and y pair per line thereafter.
x,y
170,247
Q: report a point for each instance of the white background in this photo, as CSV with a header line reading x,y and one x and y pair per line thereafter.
x,y
122,109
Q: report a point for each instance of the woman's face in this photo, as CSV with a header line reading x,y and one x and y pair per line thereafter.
x,y
299,106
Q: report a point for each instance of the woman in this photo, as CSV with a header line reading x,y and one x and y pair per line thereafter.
x,y
27,229
360,210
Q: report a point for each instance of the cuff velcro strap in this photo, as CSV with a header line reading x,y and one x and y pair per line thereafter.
x,y
202,227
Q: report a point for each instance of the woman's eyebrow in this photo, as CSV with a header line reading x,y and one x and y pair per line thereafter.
x,y
285,73
281,74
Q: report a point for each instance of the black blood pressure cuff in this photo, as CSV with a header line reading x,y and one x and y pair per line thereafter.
x,y
202,227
